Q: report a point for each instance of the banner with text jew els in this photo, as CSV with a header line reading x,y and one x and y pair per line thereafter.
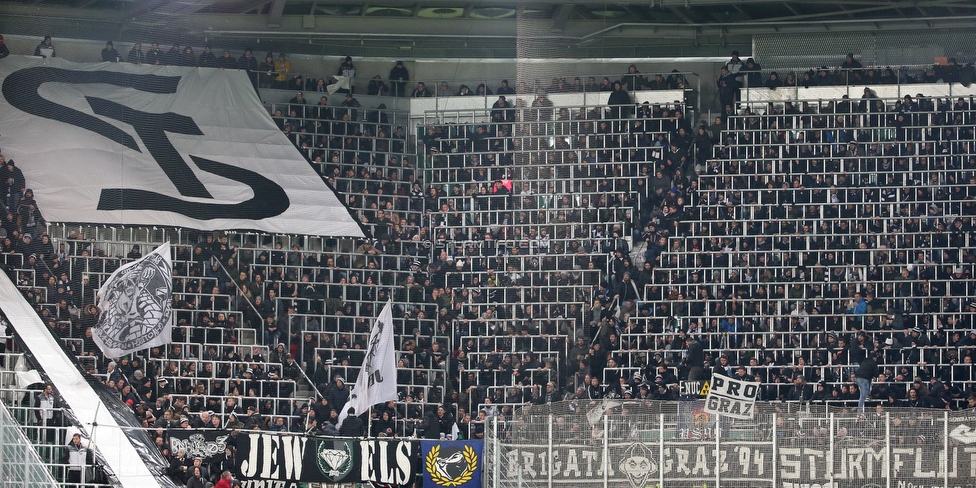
x,y
118,143
283,460
732,397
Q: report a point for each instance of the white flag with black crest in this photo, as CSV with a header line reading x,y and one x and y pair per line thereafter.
x,y
135,305
377,379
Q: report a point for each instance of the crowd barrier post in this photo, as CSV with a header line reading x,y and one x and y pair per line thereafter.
x,y
549,454
775,463
945,448
660,449
830,459
718,451
606,450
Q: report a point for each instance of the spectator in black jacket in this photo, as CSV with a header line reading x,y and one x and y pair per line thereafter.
x,y
352,426
45,48
866,372
135,56
227,61
155,55
172,57
207,58
4,52
109,53
399,76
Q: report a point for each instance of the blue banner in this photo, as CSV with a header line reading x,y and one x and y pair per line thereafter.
x,y
455,464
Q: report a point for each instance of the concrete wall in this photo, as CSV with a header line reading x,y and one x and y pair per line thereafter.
x,y
456,71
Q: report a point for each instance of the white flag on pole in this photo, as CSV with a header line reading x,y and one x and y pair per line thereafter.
x,y
377,378
135,305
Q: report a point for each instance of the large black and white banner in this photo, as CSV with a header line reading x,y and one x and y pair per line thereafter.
x,y
119,143
278,460
804,464
135,305
732,397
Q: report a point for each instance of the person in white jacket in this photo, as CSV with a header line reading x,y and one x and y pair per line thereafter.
x,y
77,457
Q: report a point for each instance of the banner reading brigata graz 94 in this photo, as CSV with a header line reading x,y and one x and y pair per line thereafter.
x,y
912,448
284,460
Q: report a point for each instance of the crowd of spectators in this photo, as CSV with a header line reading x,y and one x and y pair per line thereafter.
x,y
552,253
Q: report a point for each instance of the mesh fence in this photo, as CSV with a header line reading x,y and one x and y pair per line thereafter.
x,y
20,464
677,444
871,49
534,47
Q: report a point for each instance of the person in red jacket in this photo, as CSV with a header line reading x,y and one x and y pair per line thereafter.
x,y
225,480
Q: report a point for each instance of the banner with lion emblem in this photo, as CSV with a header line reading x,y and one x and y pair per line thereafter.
x,y
135,305
455,464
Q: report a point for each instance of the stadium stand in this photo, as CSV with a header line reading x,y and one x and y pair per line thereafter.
x,y
542,252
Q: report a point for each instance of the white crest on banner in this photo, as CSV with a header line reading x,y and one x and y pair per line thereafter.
x,y
198,446
377,378
638,465
159,145
135,305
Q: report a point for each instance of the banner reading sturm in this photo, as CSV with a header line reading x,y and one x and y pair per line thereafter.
x,y
452,463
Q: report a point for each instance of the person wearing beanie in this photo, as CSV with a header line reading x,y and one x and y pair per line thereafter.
x,y
109,53
399,76
352,426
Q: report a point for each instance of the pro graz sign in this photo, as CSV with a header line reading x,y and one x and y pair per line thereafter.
x,y
800,464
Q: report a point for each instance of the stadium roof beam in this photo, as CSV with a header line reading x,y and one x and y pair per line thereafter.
x,y
275,14
742,11
682,15
560,17
256,4
183,7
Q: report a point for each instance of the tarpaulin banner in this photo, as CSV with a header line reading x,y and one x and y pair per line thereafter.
x,y
452,463
283,459
127,144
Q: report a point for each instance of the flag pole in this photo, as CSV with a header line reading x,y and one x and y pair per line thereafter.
x,y
369,422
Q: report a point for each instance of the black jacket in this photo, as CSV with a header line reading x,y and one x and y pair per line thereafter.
x,y
352,427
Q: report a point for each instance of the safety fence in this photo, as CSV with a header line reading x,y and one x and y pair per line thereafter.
x,y
677,444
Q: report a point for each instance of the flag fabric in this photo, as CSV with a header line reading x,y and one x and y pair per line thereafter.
x,y
168,146
377,378
452,463
135,305
26,376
